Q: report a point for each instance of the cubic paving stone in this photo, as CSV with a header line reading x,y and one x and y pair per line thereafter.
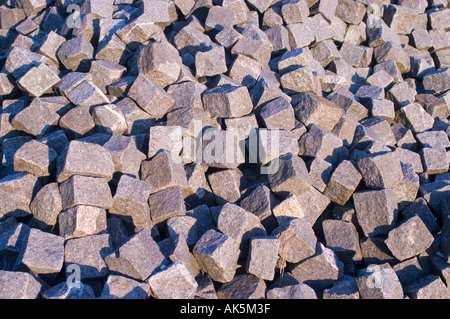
x,y
291,176
227,101
343,182
150,97
297,240
83,158
420,208
376,210
255,288
38,80
124,287
36,158
85,190
379,282
297,291
158,140
262,257
47,205
166,203
259,202
409,238
77,122
43,253
87,95
434,160
319,271
173,282
16,193
87,253
406,190
19,285
409,271
319,173
225,185
288,209
76,54
109,119
217,255
63,291
381,170
342,237
137,258
344,288
81,221
429,287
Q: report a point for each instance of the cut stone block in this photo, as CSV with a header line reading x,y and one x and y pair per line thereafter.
x,y
46,205
71,80
321,143
342,237
379,282
400,19
36,158
381,128
109,119
160,62
88,253
278,114
313,109
291,176
124,287
434,160
217,255
63,291
84,190
343,182
381,170
138,121
262,257
176,249
409,239
288,209
38,80
259,202
165,138
436,107
137,258
43,254
437,82
299,79
239,224
260,5
225,185
401,94
113,49
227,101
81,221
272,144
165,204
173,282
345,130
319,271
406,190
376,210
244,70
297,291
420,208
105,72
35,119
77,122
19,285
393,51
126,156
300,35
16,193
76,54
428,287
294,11
351,12
297,240
244,286
187,94
87,95
83,158
319,173
314,204
346,100
131,201
150,97
260,50
344,288
218,18
325,52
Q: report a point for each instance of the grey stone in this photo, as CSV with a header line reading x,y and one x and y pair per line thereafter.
x,y
217,255
420,208
376,210
76,54
343,182
314,204
300,35
297,240
344,288
109,119
166,203
137,258
321,143
125,288
436,107
38,80
63,291
77,122
165,138
288,209
346,100
35,119
260,50
437,82
19,285
46,205
85,190
381,128
351,12
150,97
131,200
16,193
120,87
239,224
36,158
342,237
319,271
325,52
400,19
313,109
71,80
138,121
227,101
406,190
294,11
345,130
299,79
428,287
105,72
87,253
401,94
409,271
379,282
81,221
219,17
319,173
187,94
434,160
83,158
87,95
11,17
126,156
173,282
205,289
291,176
262,257
259,202
381,170
297,291
43,253
112,48
260,5
244,286
225,185
393,51
244,70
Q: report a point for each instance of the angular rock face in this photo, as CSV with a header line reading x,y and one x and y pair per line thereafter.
x,y
224,149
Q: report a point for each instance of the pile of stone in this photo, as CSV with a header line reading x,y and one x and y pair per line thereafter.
x,y
119,179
